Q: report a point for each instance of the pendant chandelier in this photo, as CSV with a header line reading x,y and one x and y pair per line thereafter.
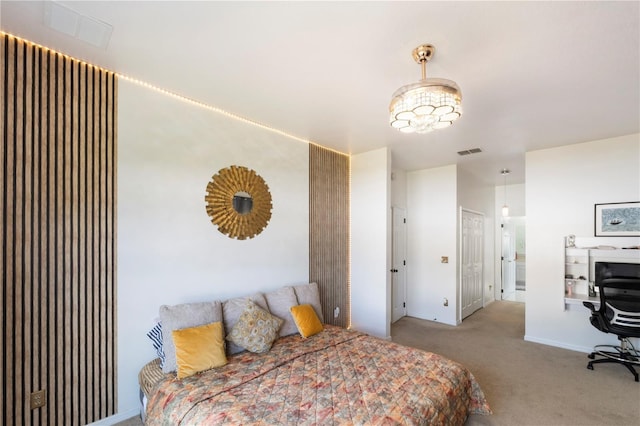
x,y
431,103
505,208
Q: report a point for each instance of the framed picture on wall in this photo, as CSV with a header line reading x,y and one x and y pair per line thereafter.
x,y
617,219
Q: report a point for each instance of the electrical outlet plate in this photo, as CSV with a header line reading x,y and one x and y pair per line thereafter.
x,y
38,399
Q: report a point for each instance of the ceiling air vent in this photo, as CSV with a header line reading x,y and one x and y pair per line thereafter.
x,y
470,151
65,20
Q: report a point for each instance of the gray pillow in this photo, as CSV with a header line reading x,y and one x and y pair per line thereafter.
x,y
309,294
183,316
231,311
280,301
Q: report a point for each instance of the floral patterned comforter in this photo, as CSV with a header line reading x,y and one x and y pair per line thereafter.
x,y
335,377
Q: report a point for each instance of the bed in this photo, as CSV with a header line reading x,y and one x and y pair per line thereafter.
x,y
269,358
336,376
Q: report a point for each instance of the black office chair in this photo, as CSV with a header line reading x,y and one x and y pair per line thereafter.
x,y
619,314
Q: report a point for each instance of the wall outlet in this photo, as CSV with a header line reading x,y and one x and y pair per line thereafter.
x,y
445,302
38,399
336,312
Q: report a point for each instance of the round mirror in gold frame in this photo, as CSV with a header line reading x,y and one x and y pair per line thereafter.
x,y
221,191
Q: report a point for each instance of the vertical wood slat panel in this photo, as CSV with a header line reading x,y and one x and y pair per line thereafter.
x,y
18,231
68,208
27,188
82,248
50,265
74,237
3,190
329,231
57,240
57,186
42,118
8,200
37,354
89,239
95,254
111,299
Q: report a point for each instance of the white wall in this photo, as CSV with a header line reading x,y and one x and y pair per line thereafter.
x,y
431,233
371,242
399,188
168,250
563,184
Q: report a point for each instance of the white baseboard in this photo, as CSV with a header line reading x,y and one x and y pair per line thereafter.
x,y
562,345
116,418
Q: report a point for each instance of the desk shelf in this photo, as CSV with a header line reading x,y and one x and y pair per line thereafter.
x,y
577,299
579,271
576,273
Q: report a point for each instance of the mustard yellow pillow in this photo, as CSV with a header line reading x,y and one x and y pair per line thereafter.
x,y
306,320
199,348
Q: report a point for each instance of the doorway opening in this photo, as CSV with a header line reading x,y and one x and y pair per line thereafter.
x,y
513,257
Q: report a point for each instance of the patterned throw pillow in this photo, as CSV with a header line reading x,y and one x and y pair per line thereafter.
x,y
231,311
256,329
155,334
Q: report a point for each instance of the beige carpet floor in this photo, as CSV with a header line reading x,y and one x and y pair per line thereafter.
x,y
525,383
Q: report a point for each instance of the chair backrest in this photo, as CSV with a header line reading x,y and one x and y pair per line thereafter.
x,y
622,298
619,286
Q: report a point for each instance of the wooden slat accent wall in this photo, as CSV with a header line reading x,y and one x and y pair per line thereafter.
x,y
57,239
329,181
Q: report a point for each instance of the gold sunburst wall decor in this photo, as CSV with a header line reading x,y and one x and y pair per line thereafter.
x,y
238,202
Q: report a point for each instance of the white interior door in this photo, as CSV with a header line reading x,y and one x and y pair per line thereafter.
x,y
472,245
398,264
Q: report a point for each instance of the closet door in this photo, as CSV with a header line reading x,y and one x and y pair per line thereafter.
x,y
472,246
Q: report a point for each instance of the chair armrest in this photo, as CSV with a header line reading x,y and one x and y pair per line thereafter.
x,y
596,318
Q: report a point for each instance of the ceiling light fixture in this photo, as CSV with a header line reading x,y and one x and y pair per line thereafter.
x,y
431,103
505,208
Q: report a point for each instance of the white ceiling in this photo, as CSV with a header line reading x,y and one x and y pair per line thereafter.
x,y
533,74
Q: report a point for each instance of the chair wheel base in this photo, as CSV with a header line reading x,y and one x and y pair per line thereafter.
x,y
618,355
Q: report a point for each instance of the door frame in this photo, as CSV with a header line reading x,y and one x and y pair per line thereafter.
x,y
507,264
399,277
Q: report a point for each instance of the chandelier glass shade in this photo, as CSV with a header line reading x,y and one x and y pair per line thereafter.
x,y
431,103
505,211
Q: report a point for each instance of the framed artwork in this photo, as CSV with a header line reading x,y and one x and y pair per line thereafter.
x,y
617,219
